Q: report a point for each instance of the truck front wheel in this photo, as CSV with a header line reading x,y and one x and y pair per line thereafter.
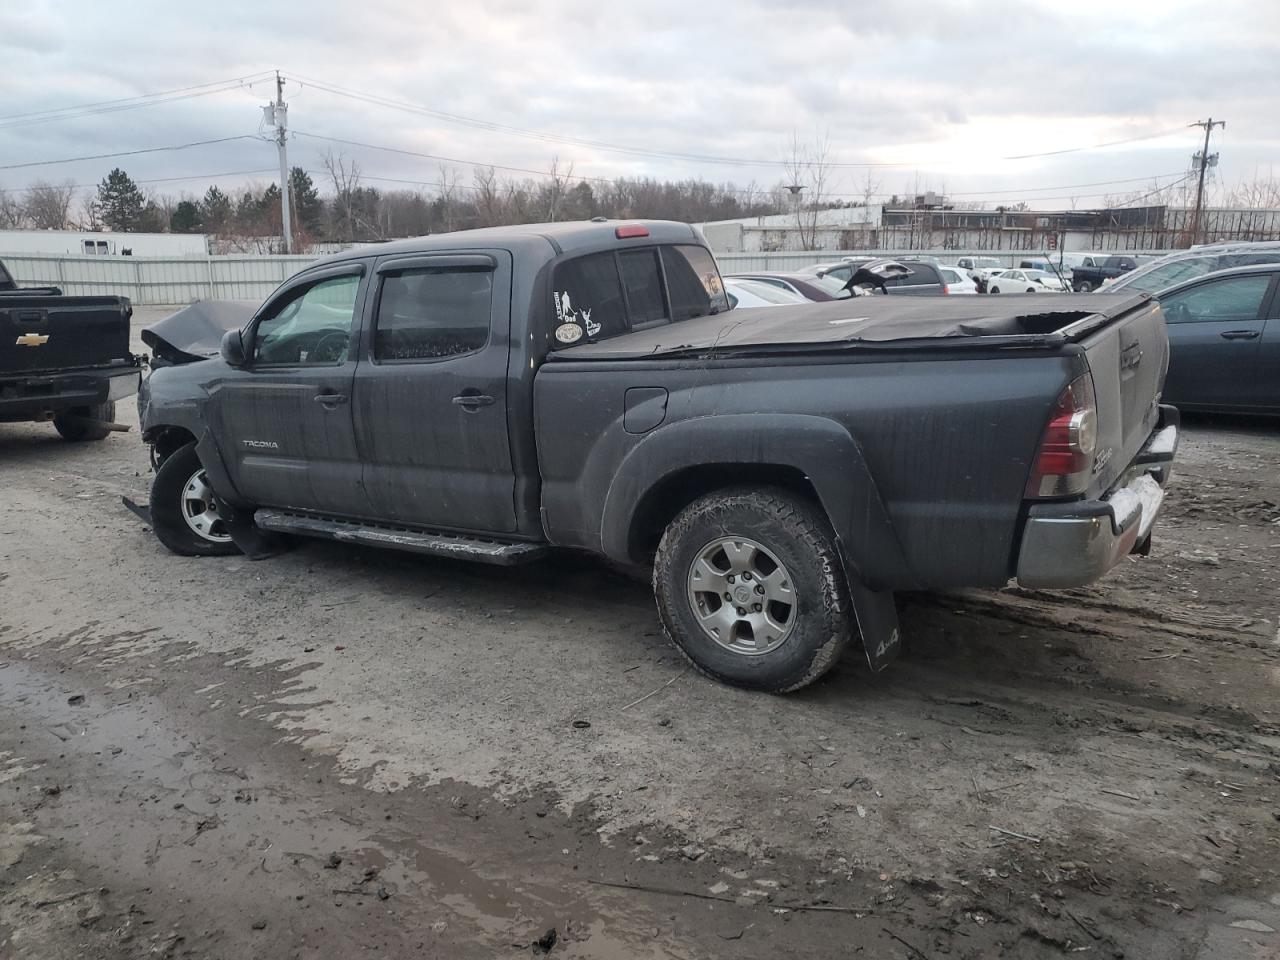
x,y
184,515
77,424
750,587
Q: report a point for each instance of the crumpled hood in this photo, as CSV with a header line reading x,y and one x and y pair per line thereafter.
x,y
195,332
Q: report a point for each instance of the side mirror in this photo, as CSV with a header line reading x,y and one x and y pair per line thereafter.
x,y
232,348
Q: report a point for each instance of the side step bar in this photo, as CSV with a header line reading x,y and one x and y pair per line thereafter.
x,y
499,552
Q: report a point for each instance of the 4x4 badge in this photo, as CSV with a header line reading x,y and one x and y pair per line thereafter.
x,y
32,339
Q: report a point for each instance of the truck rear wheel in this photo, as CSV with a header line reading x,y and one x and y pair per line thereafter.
x,y
750,587
1084,286
184,515
75,424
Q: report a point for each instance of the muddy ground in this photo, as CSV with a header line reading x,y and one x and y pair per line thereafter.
x,y
342,752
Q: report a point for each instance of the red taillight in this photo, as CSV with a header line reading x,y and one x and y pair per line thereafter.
x,y
945,288
1064,462
631,230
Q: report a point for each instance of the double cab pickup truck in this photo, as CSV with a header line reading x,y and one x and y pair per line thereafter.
x,y
64,359
1086,277
494,394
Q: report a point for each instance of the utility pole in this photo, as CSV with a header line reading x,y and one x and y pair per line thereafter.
x,y
277,114
1205,161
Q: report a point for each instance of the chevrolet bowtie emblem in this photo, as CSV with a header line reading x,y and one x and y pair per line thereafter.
x,y
32,340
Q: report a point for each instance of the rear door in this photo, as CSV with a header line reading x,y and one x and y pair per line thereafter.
x,y
431,402
283,420
1267,384
1215,333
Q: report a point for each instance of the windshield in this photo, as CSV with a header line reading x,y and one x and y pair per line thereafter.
x,y
1164,273
1039,275
986,263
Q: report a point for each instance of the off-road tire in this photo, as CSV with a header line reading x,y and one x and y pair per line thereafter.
x,y
166,508
71,424
798,534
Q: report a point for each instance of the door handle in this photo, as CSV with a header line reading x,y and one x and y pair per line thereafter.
x,y
472,401
330,399
1240,334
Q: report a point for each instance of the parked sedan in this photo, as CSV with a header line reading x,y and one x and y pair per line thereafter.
x,y
1025,281
753,293
1224,341
807,285
957,281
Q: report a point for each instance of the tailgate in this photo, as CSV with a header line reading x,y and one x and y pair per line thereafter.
x,y
39,334
1128,359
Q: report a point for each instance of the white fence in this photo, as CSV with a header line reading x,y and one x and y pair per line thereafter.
x,y
152,280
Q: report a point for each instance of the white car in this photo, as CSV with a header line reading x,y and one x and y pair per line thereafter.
x,y
753,293
957,281
1025,281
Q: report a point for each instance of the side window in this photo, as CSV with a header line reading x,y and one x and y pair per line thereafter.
x,y
588,299
693,282
921,273
642,278
1233,298
313,327
426,314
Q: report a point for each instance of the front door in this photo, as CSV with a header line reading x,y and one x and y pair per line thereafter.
x,y
1215,329
283,421
430,403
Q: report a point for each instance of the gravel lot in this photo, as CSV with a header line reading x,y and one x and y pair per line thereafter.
x,y
341,752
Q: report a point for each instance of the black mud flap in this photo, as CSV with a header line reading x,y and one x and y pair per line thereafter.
x,y
140,510
877,616
254,542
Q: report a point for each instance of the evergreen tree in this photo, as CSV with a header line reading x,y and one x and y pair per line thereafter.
x,y
186,218
120,202
215,210
305,200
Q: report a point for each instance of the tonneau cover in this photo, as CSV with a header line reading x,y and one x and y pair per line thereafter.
x,y
866,321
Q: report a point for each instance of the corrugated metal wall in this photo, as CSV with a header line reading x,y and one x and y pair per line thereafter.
x,y
150,280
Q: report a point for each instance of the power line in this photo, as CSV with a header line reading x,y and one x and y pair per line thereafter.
x,y
1096,146
129,103
197,176
550,137
125,153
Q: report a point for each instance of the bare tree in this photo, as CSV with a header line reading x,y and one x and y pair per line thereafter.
x,y
808,170
488,198
553,192
449,189
344,174
10,210
46,205
1262,192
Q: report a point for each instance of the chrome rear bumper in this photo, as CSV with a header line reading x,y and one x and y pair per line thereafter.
x,y
1071,544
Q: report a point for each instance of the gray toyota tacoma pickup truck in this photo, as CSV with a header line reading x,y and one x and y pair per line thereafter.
x,y
493,394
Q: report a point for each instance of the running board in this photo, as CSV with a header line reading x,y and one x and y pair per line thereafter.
x,y
500,552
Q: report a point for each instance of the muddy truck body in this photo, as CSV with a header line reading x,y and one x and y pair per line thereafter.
x,y
64,359
493,394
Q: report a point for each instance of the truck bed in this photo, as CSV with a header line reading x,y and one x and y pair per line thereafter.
x,y
986,322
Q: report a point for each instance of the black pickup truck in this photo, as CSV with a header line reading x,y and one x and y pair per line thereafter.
x,y
495,393
64,359
1087,278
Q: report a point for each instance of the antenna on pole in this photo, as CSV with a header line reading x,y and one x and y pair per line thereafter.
x,y
1204,160
277,114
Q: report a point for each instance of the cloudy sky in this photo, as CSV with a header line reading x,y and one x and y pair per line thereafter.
x,y
985,100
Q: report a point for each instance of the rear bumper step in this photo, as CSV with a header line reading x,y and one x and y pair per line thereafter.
x,y
499,552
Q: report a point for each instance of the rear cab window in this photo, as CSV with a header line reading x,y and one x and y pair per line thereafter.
x,y
603,295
